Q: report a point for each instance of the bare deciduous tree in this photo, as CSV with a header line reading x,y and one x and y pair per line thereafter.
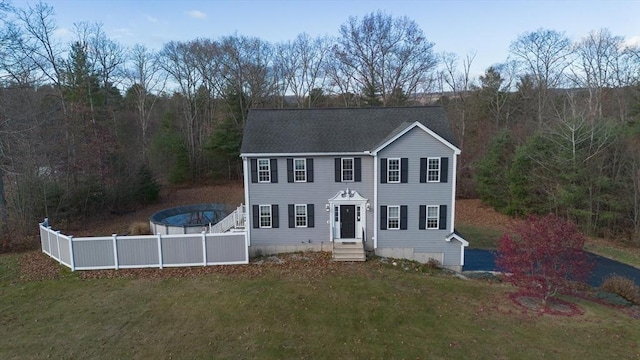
x,y
385,55
544,54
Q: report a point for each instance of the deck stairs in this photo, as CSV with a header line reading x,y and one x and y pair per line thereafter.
x,y
233,222
348,251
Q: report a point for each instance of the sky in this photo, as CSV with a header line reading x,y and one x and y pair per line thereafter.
x,y
483,27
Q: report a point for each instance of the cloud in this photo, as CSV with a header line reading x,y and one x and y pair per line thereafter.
x,y
197,14
63,33
151,19
632,41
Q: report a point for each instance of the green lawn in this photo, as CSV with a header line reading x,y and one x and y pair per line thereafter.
x,y
479,237
364,310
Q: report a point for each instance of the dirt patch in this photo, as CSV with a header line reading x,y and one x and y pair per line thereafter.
x,y
553,306
474,212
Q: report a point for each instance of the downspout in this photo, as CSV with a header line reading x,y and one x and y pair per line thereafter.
x,y
375,200
247,206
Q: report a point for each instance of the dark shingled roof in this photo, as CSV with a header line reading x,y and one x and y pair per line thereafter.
x,y
335,130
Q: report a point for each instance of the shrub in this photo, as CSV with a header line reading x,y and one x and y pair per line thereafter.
x,y
622,286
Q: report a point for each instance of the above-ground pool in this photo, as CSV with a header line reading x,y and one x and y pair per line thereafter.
x,y
189,219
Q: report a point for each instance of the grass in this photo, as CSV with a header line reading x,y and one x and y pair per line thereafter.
x,y
479,237
630,256
365,310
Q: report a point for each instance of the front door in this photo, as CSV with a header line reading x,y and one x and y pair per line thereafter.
x,y
347,221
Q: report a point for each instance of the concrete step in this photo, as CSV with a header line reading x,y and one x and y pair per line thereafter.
x,y
348,252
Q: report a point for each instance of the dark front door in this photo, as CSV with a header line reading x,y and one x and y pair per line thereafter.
x,y
347,221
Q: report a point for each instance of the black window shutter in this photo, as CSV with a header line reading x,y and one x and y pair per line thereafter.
x,y
290,170
274,170
310,213
383,170
275,216
254,170
443,217
338,169
357,167
422,221
383,217
256,216
404,170
309,170
423,170
403,217
292,216
444,169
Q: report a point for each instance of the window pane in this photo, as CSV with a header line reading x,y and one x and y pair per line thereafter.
x,y
300,170
432,217
393,217
393,170
434,170
264,173
265,215
301,215
347,169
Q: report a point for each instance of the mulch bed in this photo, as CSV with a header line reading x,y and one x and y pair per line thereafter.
x,y
36,266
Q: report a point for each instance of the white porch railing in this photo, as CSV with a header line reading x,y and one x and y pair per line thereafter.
x,y
235,220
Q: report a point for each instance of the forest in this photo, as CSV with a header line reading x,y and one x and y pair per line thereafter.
x,y
93,126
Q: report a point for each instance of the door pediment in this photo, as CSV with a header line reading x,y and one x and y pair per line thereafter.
x,y
348,196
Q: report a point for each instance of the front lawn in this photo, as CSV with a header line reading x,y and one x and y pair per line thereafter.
x,y
306,307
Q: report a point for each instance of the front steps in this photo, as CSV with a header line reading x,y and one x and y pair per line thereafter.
x,y
348,251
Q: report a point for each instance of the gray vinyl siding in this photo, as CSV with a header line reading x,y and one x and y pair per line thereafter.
x,y
414,145
318,193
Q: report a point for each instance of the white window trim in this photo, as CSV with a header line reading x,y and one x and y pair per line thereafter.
x,y
353,169
260,207
389,170
295,215
439,168
304,170
389,217
437,217
268,170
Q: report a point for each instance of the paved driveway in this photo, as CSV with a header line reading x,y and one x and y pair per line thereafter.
x,y
483,260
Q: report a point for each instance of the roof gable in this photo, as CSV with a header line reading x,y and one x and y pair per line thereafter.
x,y
338,130
405,128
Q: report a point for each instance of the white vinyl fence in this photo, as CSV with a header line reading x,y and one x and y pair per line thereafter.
x,y
122,252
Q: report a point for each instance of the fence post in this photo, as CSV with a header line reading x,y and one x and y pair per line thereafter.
x,y
71,261
160,251
49,238
115,250
58,245
204,248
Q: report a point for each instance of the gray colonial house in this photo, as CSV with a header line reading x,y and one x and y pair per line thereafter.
x,y
350,180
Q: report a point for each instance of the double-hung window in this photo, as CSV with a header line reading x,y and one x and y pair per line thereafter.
x,y
264,171
393,217
301,215
300,170
433,216
433,169
265,216
393,170
347,169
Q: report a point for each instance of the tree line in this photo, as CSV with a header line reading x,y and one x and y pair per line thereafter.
x,y
92,125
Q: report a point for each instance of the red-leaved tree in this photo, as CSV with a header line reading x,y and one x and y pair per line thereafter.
x,y
544,255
